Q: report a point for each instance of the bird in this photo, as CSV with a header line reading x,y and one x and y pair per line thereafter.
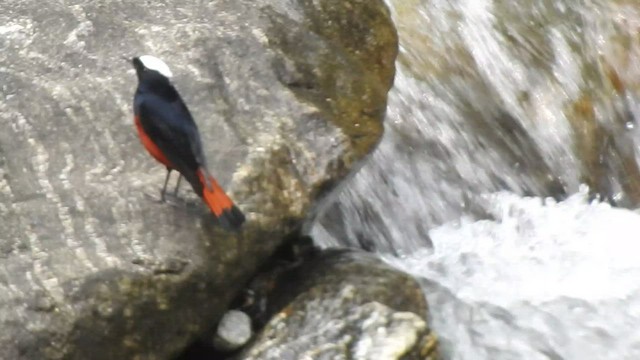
x,y
170,135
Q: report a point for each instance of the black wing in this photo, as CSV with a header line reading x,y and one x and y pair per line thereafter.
x,y
170,126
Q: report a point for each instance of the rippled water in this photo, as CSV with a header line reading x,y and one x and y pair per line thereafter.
x,y
497,110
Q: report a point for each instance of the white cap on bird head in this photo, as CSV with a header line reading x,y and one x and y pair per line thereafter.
x,y
153,63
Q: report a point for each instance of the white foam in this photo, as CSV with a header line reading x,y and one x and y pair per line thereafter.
x,y
541,278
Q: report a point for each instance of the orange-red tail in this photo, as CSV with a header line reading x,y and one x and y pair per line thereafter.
x,y
221,206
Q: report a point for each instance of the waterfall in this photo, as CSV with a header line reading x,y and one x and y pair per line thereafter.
x,y
507,176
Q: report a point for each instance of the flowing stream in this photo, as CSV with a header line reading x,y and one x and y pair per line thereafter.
x,y
508,176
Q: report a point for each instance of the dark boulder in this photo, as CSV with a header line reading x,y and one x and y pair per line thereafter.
x,y
340,304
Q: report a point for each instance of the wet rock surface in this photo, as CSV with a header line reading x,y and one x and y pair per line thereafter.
x,y
339,304
92,265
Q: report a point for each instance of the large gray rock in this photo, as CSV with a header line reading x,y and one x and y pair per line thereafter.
x,y
340,304
288,95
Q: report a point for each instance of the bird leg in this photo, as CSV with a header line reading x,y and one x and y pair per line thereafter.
x,y
164,188
175,191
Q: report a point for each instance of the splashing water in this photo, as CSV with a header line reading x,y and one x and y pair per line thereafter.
x,y
498,109
544,280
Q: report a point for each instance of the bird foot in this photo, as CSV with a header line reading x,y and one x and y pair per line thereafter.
x,y
153,198
173,200
166,198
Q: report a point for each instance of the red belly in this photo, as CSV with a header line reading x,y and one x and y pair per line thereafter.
x,y
151,147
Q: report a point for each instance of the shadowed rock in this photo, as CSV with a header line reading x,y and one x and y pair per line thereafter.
x,y
288,96
341,304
